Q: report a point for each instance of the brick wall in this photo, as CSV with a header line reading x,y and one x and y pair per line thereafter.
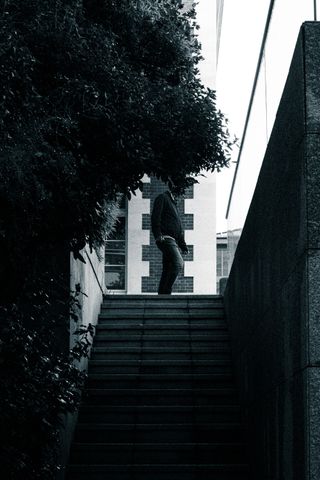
x,y
152,254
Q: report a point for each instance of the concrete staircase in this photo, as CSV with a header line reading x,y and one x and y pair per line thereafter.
x,y
160,402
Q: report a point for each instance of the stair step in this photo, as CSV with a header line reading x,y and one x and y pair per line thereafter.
x,y
143,308
161,315
160,366
157,453
160,402
144,321
163,299
159,472
161,353
150,309
166,299
162,396
162,413
160,329
127,380
148,340
145,336
158,433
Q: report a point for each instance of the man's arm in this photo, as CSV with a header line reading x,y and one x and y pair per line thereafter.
x,y
181,241
156,217
182,244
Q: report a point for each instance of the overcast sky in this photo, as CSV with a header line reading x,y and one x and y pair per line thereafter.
x,y
242,29
241,36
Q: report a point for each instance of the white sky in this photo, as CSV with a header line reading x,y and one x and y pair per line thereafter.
x,y
241,35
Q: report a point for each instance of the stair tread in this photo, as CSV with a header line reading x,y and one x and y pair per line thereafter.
x,y
158,375
143,327
159,315
157,305
162,362
166,337
186,432
161,407
173,325
160,390
158,349
215,466
151,296
156,446
151,426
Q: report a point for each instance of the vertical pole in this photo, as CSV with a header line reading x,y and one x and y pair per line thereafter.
x,y
315,9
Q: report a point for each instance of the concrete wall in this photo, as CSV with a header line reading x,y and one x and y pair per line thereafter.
x,y
90,276
273,293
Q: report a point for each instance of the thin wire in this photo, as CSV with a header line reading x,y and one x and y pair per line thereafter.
x,y
266,96
255,82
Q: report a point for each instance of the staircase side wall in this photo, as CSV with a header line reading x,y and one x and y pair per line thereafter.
x,y
273,294
90,277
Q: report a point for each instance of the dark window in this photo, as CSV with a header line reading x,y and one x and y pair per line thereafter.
x,y
116,258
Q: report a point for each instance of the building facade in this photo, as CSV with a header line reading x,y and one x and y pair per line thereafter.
x,y
133,262
222,259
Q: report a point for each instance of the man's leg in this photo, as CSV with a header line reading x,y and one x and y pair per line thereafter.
x,y
172,264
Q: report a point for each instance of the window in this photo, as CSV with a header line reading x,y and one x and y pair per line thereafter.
x,y
116,256
222,260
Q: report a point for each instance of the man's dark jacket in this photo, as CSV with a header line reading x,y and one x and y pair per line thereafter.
x,y
165,219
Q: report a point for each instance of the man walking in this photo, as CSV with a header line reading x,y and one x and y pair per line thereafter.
x,y
168,233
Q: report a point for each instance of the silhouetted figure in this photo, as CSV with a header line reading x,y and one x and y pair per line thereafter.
x,y
168,233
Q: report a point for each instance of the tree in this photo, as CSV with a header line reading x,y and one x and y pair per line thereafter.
x,y
94,94
38,385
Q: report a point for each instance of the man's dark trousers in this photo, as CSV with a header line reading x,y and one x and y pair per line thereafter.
x,y
172,264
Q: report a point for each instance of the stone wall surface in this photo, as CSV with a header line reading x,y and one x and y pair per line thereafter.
x,y
90,276
273,294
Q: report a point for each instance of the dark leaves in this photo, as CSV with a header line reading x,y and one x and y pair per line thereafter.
x,y
95,95
38,384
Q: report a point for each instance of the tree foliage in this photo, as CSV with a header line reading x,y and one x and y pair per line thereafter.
x,y
39,383
95,94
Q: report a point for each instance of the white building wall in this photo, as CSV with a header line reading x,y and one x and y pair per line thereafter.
x,y
207,21
220,5
203,205
136,237
203,236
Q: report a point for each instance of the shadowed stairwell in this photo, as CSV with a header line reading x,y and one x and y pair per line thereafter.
x,y
160,402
